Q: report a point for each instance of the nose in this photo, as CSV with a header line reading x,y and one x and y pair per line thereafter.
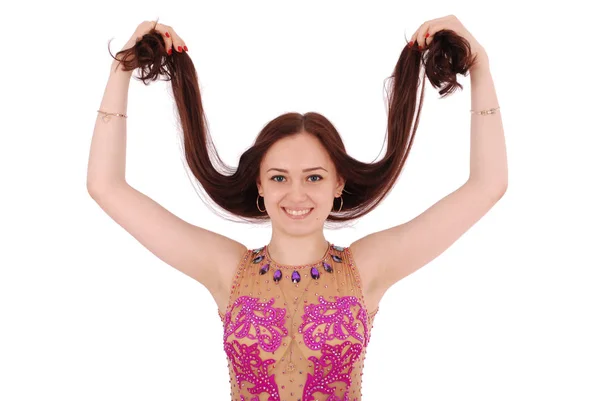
x,y
297,191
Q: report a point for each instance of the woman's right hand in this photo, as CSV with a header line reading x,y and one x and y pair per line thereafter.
x,y
171,38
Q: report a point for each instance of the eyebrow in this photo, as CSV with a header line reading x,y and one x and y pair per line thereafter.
x,y
304,171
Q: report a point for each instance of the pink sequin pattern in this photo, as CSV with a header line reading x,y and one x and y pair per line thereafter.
x,y
316,354
318,314
248,366
334,365
255,314
333,397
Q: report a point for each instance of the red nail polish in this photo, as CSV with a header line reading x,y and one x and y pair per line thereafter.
x,y
410,43
179,48
167,34
185,48
427,35
170,51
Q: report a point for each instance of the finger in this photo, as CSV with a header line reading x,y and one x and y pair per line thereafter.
x,y
422,33
418,37
164,30
413,38
178,43
433,29
434,26
421,37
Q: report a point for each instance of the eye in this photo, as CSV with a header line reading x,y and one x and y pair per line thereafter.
x,y
274,178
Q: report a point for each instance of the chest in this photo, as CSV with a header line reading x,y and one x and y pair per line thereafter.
x,y
317,351
296,334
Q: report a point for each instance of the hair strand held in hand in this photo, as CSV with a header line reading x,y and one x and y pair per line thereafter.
x,y
234,189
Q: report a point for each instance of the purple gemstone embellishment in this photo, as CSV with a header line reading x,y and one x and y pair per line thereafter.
x,y
327,267
277,275
258,259
295,277
264,269
314,272
336,258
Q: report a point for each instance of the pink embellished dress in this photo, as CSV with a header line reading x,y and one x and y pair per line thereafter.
x,y
296,333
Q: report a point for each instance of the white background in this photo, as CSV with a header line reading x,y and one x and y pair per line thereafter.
x,y
509,312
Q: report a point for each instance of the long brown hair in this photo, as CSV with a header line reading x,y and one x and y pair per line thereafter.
x,y
366,184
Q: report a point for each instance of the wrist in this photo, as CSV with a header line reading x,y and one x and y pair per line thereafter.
x,y
130,43
116,68
482,61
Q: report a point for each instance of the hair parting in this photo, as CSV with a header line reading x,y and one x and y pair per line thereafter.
x,y
234,190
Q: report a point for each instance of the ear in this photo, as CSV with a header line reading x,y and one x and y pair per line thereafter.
x,y
259,186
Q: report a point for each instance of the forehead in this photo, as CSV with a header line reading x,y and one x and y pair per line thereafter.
x,y
296,152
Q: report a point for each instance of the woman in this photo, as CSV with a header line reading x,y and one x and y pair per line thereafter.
x,y
297,313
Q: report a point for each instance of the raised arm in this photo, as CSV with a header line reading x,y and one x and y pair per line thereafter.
x,y
181,245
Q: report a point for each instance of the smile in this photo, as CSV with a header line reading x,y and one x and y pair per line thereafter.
x,y
297,214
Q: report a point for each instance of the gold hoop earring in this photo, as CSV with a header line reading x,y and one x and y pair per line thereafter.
x,y
262,211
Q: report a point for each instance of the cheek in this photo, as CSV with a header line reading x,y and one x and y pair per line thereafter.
x,y
320,197
324,197
275,197
324,204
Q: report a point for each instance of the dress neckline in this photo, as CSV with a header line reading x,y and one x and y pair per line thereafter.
x,y
269,259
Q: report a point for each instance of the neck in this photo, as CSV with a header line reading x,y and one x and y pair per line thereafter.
x,y
296,251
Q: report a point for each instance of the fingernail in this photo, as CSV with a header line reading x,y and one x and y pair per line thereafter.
x,y
185,48
410,43
170,51
167,34
427,35
179,49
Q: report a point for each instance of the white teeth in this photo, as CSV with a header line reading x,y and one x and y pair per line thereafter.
x,y
297,212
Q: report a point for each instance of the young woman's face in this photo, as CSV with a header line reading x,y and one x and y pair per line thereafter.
x,y
297,174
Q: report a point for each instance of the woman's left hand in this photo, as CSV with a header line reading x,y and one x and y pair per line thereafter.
x,y
424,35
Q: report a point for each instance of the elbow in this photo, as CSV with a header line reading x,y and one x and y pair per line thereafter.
x,y
97,188
498,190
495,190
502,187
92,188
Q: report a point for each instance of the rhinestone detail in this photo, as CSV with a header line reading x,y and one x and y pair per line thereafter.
x,y
262,254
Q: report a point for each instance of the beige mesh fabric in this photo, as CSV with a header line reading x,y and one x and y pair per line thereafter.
x,y
296,341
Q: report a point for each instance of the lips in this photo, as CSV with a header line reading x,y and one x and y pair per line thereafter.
x,y
297,216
